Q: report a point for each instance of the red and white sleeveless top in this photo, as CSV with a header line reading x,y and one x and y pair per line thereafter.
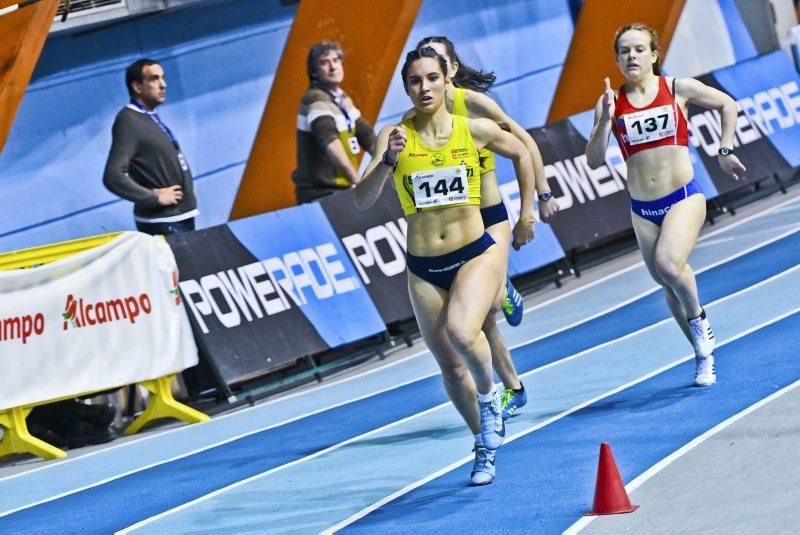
x,y
657,124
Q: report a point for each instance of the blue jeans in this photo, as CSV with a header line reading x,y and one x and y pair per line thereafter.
x,y
156,229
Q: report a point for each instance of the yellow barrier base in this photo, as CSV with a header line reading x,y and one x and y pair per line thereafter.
x,y
17,439
163,405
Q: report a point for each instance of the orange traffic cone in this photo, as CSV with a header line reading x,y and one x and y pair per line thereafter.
x,y
610,497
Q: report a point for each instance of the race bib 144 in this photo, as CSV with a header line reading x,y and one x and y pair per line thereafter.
x,y
440,187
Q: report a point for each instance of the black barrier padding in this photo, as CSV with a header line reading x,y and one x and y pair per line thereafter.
x,y
600,206
759,156
251,348
375,244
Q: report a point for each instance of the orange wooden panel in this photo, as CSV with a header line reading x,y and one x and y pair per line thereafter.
x,y
372,35
23,32
591,53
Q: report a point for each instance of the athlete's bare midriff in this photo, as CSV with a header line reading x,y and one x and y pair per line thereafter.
x,y
659,171
438,232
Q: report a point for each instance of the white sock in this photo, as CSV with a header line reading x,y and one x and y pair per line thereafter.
x,y
483,398
478,439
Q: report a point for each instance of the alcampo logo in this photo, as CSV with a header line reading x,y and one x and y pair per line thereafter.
x,y
79,314
175,291
21,327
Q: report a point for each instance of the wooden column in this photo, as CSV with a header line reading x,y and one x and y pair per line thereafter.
x,y
23,33
372,34
591,52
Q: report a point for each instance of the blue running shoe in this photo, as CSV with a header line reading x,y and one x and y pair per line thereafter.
x,y
513,305
512,401
483,467
493,428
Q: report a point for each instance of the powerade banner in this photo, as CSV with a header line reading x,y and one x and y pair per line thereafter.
x,y
593,202
375,241
767,94
545,248
240,320
312,271
99,319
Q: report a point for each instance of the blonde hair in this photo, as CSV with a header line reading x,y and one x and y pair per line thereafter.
x,y
653,41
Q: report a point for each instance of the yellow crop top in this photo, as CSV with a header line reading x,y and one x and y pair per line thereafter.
x,y
460,108
429,179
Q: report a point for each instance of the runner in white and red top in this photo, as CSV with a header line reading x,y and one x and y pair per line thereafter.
x,y
648,118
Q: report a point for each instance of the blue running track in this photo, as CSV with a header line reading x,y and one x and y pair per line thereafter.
x,y
545,472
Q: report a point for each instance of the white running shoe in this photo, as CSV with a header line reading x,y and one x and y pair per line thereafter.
x,y
483,468
493,427
702,336
704,374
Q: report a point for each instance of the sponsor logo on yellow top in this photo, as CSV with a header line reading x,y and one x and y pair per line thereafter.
x,y
437,159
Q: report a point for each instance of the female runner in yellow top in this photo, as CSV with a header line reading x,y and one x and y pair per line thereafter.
x,y
455,269
648,118
465,96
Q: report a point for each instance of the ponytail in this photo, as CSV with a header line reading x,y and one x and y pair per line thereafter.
x,y
465,77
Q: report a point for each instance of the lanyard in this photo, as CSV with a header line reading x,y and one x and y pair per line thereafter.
x,y
156,119
338,102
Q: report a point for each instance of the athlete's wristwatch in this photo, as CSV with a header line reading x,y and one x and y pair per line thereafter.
x,y
387,160
724,151
545,196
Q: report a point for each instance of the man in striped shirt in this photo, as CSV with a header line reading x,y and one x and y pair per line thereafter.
x,y
330,130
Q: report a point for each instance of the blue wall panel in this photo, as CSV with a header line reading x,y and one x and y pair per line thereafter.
x,y
523,42
52,164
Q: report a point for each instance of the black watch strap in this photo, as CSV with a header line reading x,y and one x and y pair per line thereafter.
x,y
545,196
724,151
387,160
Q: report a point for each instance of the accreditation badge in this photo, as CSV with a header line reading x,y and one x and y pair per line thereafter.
x,y
183,162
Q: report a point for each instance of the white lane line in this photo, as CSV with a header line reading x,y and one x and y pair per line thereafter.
x,y
654,289
265,428
677,454
278,469
199,450
778,208
699,240
405,490
314,391
232,414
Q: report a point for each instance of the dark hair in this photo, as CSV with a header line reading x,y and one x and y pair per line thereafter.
x,y
653,41
466,76
317,51
135,72
417,54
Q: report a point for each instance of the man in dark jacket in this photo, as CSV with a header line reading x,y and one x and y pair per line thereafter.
x,y
146,165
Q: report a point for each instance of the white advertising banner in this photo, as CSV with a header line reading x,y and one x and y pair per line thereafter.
x,y
99,319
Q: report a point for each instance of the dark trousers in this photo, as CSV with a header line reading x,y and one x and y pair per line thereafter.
x,y
156,229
